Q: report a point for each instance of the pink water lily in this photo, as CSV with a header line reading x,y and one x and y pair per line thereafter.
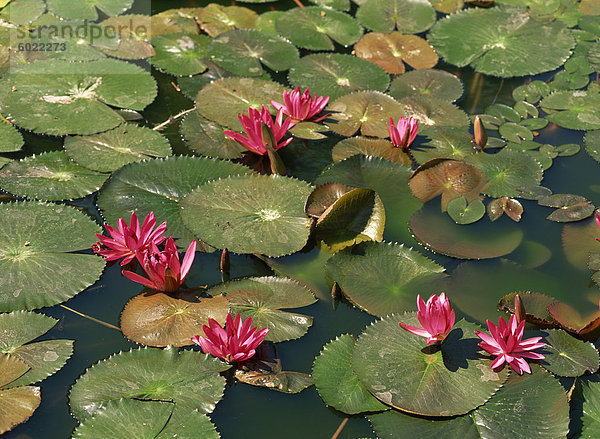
x,y
302,106
597,222
237,343
404,132
253,141
506,342
164,271
436,316
129,239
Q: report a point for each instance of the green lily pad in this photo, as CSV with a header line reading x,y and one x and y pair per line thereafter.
x,y
174,20
394,366
263,299
498,38
567,356
574,109
447,6
367,146
250,214
35,248
189,379
222,100
367,111
206,138
462,213
391,51
339,5
87,9
189,424
429,111
316,28
215,19
335,74
388,179
110,150
531,254
12,368
579,240
443,143
590,416
17,405
22,12
514,132
388,424
356,216
324,195
180,53
337,383
427,82
10,138
127,418
439,233
50,176
309,131
383,278
544,413
407,16
242,51
266,21
157,186
506,171
591,142
59,97
570,207
133,33
191,85
159,319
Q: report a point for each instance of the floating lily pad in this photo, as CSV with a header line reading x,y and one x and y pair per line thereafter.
x,y
383,278
127,418
570,207
175,20
407,16
592,144
263,299
463,213
191,85
449,178
578,240
567,356
157,186
36,244
22,12
394,366
544,413
189,424
205,137
367,146
429,110
250,214
427,82
223,100
316,28
535,305
388,179
87,9
180,53
12,368
309,131
574,109
336,74
242,51
512,207
110,150
266,21
388,424
590,416
215,19
159,319
571,320
340,5
50,176
132,34
367,111
514,132
391,51
506,171
17,405
439,233
498,38
531,254
189,379
323,197
336,381
10,138
443,142
59,97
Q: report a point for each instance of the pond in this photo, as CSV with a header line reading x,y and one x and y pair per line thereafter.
x,y
79,139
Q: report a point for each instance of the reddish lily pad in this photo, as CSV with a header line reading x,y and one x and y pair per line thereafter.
x,y
571,320
323,197
578,240
570,207
159,319
512,207
215,19
391,51
449,178
17,405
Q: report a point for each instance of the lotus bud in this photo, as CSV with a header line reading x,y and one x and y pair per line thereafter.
x,y
481,137
519,309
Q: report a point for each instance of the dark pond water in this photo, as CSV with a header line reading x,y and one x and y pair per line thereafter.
x,y
247,412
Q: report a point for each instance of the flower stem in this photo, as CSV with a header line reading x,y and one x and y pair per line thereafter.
x,y
340,428
91,318
172,119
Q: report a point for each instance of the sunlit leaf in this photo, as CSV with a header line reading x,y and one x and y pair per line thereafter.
x,y
17,405
407,16
180,53
131,32
87,9
427,82
215,19
205,137
462,213
371,147
570,207
10,138
567,356
574,109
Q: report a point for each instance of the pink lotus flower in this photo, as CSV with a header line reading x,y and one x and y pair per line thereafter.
x,y
164,271
404,133
436,316
506,342
252,125
597,222
301,106
238,343
128,240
